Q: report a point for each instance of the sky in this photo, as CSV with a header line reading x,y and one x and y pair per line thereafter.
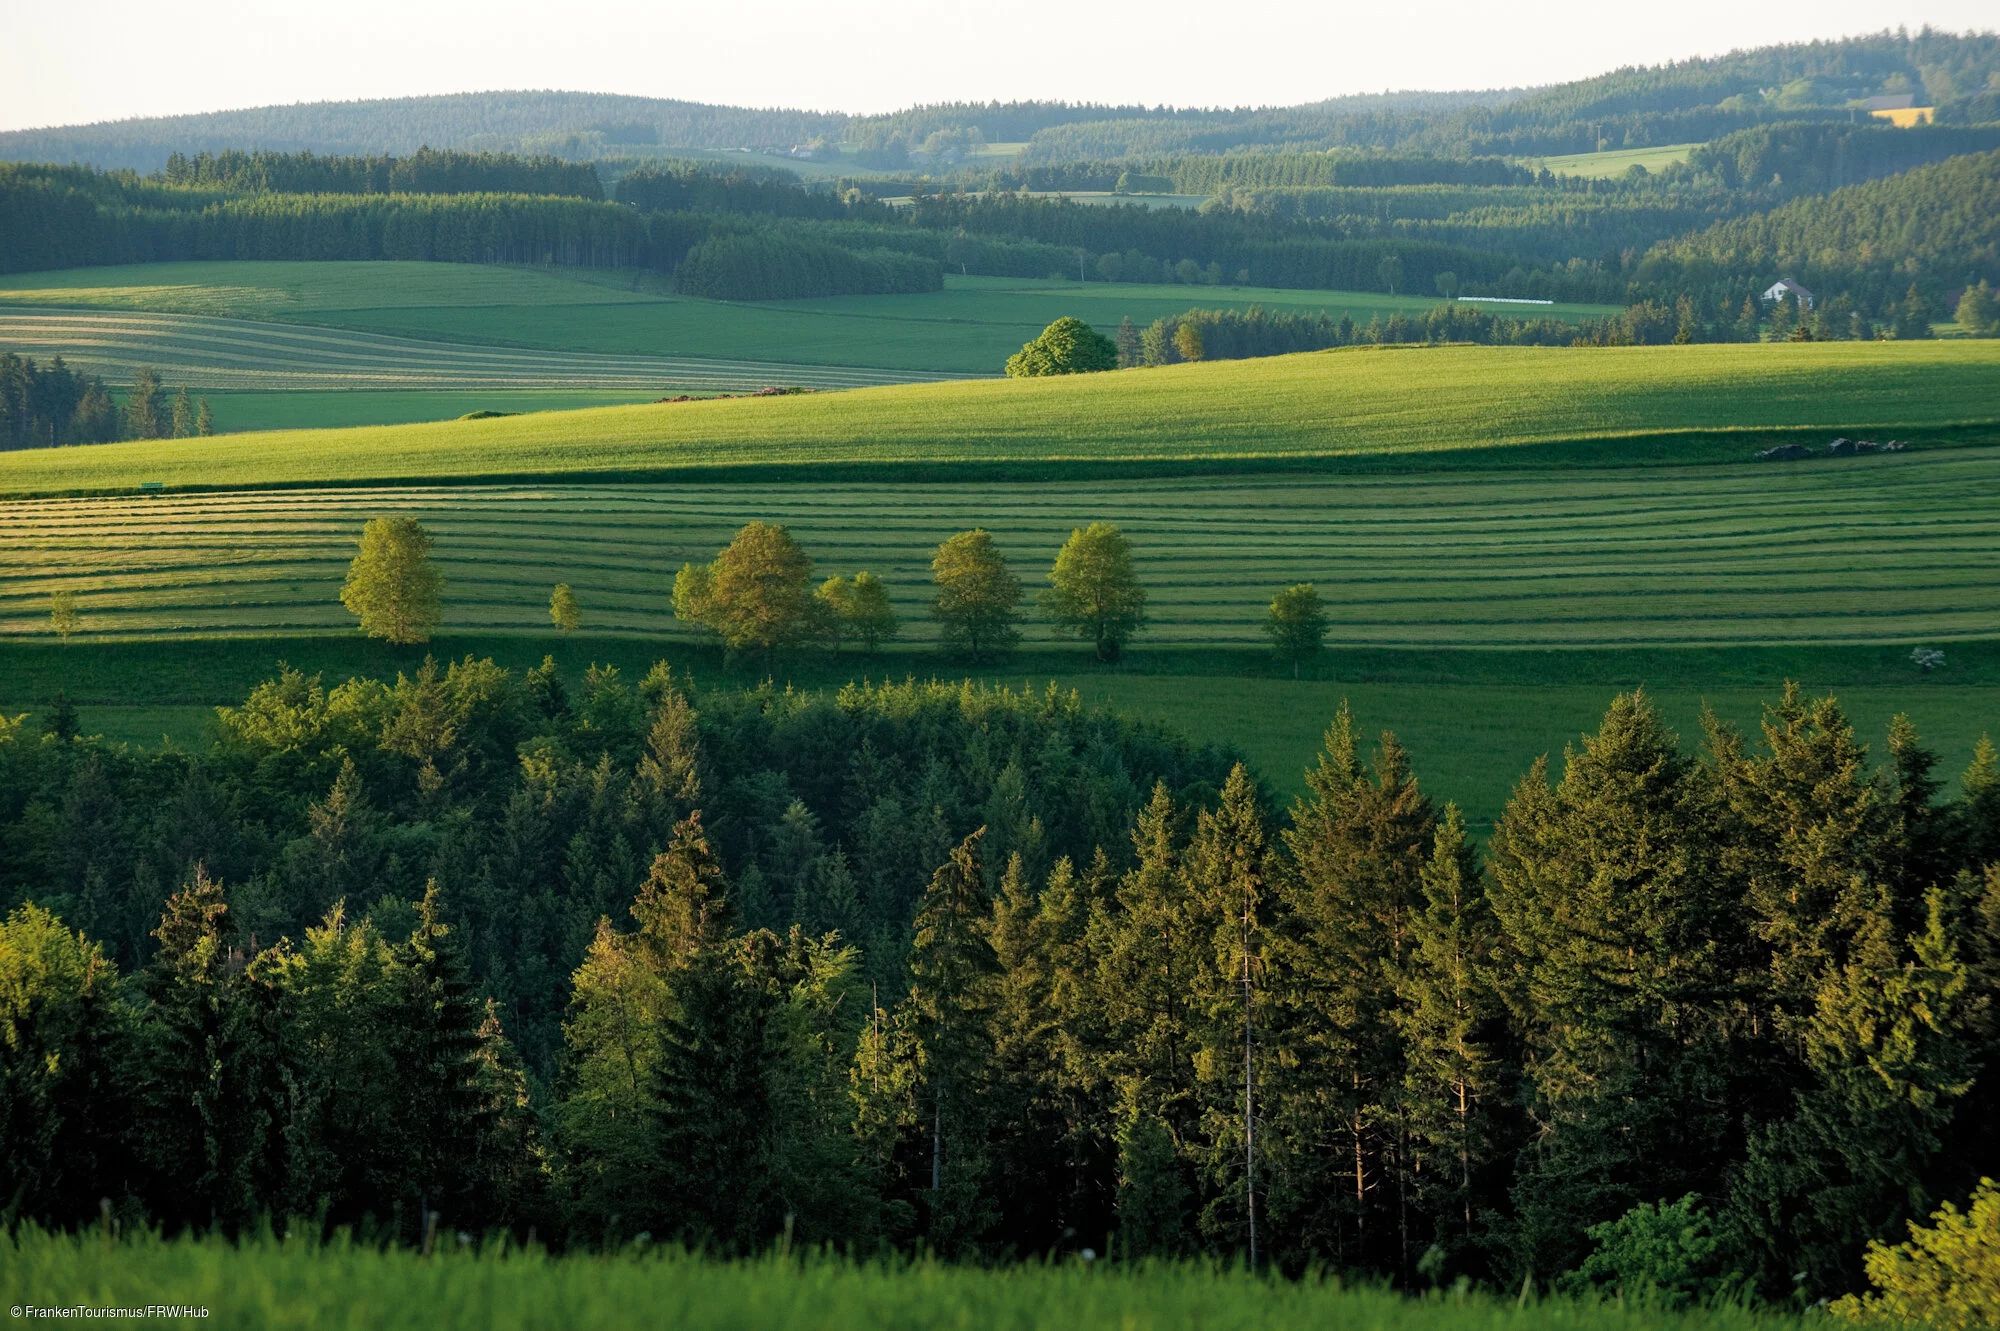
x,y
85,60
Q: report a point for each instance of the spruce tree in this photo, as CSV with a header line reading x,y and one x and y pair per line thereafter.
x,y
203,1117
1358,850
1609,900
445,1117
1445,1014
65,1047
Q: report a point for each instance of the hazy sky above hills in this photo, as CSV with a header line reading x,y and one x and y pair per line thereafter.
x,y
84,60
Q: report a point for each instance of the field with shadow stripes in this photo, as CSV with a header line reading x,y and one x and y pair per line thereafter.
x,y
1868,550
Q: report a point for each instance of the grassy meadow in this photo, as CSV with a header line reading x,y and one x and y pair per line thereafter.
x,y
279,1283
1615,161
969,328
1414,405
237,354
1879,549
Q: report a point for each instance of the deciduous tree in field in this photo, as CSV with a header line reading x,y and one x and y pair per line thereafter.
x,y
1094,590
392,586
1298,624
1187,341
1067,346
976,596
1979,311
755,596
63,616
563,608
858,608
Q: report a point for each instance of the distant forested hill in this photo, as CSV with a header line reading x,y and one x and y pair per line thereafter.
x,y
570,123
1684,102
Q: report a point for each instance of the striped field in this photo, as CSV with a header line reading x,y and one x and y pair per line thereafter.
x,y
1872,550
236,354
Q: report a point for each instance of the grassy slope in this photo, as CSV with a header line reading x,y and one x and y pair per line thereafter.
x,y
292,1284
1616,161
1867,549
1350,403
970,328
342,408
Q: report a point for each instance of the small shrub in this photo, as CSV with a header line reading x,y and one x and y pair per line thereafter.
x,y
1664,1252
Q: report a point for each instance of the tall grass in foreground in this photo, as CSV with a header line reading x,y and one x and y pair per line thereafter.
x,y
273,1283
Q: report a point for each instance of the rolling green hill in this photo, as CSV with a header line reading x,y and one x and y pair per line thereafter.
x,y
1638,402
969,328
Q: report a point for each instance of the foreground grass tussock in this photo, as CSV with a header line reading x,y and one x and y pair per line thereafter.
x,y
271,1283
1349,403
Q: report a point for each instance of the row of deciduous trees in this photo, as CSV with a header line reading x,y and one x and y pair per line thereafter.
x,y
1759,977
756,595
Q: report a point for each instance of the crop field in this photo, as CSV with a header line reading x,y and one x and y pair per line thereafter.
x,y
290,1283
238,354
340,408
1438,406
969,328
1616,161
1885,549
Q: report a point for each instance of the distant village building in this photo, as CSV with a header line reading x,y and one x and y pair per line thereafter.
x,y
1784,287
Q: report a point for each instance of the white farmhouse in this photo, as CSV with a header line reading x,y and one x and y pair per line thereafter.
x,y
1784,287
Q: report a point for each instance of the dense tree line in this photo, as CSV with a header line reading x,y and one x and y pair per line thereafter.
x,y
54,405
1777,162
691,188
771,265
992,974
50,220
425,171
44,407
520,121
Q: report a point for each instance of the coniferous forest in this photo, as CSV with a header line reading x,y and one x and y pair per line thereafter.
x,y
989,974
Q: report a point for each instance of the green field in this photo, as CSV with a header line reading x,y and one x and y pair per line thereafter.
x,y
291,1283
1481,403
969,328
237,354
341,408
1616,161
1884,549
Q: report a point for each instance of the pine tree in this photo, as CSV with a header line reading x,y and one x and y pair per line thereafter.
x,y
1358,850
1129,352
183,417
1859,1158
1609,902
203,1117
204,419
445,1118
1227,872
1445,1009
143,408
65,1046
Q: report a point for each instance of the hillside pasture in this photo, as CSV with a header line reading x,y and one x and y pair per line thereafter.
x,y
1615,161
1887,549
971,327
1430,406
237,354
